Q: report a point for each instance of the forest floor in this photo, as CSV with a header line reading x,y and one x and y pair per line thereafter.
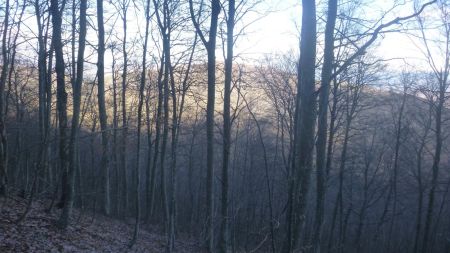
x,y
39,233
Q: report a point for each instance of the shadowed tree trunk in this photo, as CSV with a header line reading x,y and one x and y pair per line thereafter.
x,y
76,87
305,118
115,158
224,232
322,126
3,77
210,46
398,142
420,184
104,164
139,122
151,192
42,73
61,95
123,146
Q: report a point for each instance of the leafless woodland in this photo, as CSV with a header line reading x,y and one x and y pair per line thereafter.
x,y
145,115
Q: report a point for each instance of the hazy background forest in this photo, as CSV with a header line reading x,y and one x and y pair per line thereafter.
x,y
181,126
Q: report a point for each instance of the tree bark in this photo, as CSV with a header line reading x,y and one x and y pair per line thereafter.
x,y
104,164
224,232
61,97
305,118
3,76
322,126
210,46
123,151
76,89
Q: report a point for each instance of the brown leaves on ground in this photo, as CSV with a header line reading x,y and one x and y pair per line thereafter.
x,y
39,233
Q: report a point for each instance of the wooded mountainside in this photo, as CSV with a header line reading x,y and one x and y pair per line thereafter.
x,y
136,125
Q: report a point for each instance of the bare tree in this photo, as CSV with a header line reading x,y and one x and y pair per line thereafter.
x,y
76,87
61,94
324,92
3,76
102,108
210,46
304,125
139,121
440,73
224,233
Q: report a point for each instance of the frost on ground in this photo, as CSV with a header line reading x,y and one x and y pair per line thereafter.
x,y
38,232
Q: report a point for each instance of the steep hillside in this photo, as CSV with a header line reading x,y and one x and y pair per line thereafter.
x,y
38,232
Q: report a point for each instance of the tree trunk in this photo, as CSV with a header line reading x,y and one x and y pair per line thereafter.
x,y
435,166
398,132
224,232
123,151
3,76
210,46
104,164
151,193
304,126
61,98
76,87
321,159
420,186
115,155
139,122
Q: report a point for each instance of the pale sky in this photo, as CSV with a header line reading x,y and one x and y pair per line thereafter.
x,y
275,29
278,32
